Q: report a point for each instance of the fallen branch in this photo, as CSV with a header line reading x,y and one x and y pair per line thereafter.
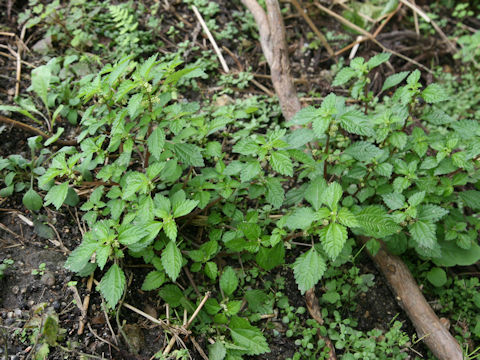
x,y
35,131
407,293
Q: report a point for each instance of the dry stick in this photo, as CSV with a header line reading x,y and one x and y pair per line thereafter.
x,y
102,339
199,349
34,130
86,302
415,20
370,37
429,328
420,12
212,40
310,23
187,325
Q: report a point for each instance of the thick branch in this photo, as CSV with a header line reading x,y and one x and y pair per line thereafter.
x,y
442,344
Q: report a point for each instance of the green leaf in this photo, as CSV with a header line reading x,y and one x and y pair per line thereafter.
x,y
211,270
304,116
57,195
172,260
314,192
394,200
394,80
416,198
268,258
375,222
156,142
54,137
346,217
355,122
471,198
79,257
251,231
171,294
112,285
424,233
452,255
301,219
308,269
136,182
275,193
228,281
332,195
184,208
246,146
431,213
249,171
378,60
434,93
189,154
437,276
170,228
364,151
333,238
134,104
131,234
384,169
281,163
398,139
153,280
32,200
41,77
217,351
320,125
247,336
343,76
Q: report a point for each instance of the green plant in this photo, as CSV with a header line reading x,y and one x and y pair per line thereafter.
x,y
4,266
41,269
160,167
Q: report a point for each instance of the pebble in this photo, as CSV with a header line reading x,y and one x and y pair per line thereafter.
x,y
56,305
15,289
10,315
17,312
48,278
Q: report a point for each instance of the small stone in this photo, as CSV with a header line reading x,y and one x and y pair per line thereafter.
x,y
48,279
23,290
31,303
135,336
10,315
15,289
56,305
17,312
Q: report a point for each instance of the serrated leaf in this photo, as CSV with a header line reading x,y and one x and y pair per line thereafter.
x,y
364,151
79,257
347,218
184,208
217,351
332,195
416,198
304,116
378,60
32,200
211,270
275,193
355,122
41,77
156,142
189,154
308,269
172,260
134,104
384,169
394,80
268,258
249,171
57,195
394,200
398,139
246,146
314,192
228,281
424,233
131,234
333,238
112,285
471,198
431,213
153,280
320,125
434,93
375,222
248,337
281,163
343,76
135,182
301,219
